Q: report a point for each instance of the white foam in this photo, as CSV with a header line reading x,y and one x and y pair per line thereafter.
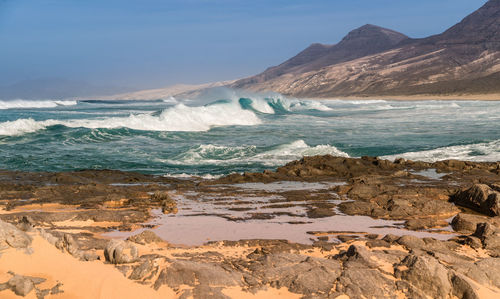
x,y
23,126
489,151
189,176
208,154
262,105
178,118
23,104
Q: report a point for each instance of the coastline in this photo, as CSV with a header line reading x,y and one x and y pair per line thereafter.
x,y
392,233
424,97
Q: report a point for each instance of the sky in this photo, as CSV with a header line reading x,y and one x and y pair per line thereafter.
x,y
139,44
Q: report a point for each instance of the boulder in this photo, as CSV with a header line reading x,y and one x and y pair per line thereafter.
x,y
427,274
145,237
479,197
11,236
21,285
467,222
120,252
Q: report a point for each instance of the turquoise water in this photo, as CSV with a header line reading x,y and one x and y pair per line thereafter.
x,y
224,131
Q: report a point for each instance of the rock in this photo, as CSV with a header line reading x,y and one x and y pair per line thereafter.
x,y
168,204
468,222
142,270
67,243
145,237
300,274
463,287
489,236
21,285
425,223
390,238
120,252
411,242
481,198
197,273
11,236
320,212
25,224
361,278
426,274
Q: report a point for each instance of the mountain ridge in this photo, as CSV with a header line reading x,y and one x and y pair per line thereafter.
x,y
465,59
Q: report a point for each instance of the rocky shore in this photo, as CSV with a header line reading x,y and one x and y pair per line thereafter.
x,y
321,227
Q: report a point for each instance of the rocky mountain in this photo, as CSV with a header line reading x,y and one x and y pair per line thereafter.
x,y
371,60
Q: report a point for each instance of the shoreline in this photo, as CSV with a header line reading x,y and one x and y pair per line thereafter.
x,y
467,97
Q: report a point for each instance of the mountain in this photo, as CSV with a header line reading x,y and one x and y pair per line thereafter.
x,y
366,40
374,61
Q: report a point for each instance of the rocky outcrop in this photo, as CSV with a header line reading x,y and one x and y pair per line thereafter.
x,y
481,198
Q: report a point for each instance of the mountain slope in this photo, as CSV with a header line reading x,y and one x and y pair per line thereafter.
x,y
363,41
464,59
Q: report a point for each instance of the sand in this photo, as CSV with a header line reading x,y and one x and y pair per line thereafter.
x,y
80,279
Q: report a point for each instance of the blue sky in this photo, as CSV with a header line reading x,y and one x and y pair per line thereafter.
x,y
153,43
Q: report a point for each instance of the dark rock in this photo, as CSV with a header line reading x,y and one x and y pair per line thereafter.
x,y
425,223
300,274
481,198
489,236
142,270
411,242
145,237
463,288
360,281
25,224
427,274
390,238
194,273
320,212
168,204
468,222
377,243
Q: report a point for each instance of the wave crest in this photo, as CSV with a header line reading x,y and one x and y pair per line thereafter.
x,y
24,104
479,152
209,154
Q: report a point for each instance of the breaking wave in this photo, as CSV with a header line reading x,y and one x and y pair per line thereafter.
x,y
209,154
23,126
479,152
241,112
24,104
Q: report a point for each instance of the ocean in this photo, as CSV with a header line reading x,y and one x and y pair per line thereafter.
x,y
222,131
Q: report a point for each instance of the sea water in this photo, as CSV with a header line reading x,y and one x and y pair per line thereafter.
x,y
225,131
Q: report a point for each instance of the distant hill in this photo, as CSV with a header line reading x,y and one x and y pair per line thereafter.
x,y
374,61
54,88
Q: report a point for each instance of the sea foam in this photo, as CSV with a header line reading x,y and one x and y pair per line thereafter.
x,y
177,118
24,104
486,152
209,154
